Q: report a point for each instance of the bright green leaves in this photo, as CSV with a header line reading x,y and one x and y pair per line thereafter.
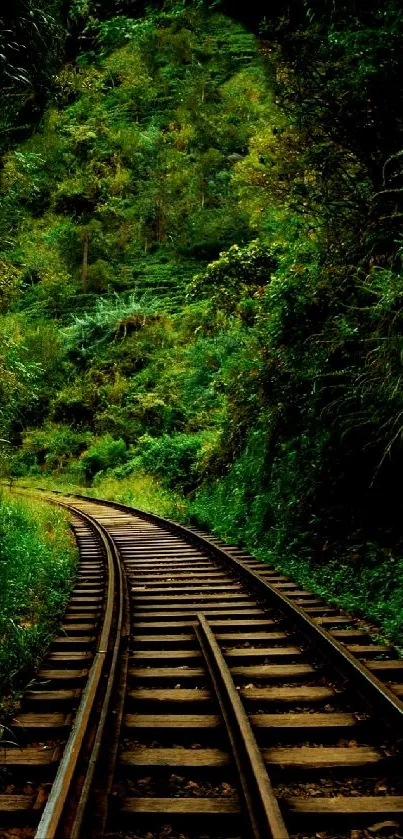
x,y
104,453
239,273
126,73
176,458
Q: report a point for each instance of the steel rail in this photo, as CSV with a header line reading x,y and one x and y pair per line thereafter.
x,y
50,824
369,687
386,705
121,628
118,682
265,819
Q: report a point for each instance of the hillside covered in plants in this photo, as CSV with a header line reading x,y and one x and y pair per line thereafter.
x,y
201,281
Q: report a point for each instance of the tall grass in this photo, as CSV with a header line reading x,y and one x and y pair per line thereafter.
x,y
142,491
37,566
137,489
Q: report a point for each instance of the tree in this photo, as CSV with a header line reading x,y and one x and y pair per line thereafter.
x,y
31,44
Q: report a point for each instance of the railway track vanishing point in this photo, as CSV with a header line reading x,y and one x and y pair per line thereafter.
x,y
195,692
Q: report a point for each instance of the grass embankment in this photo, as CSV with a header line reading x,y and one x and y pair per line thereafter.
x,y
368,584
37,565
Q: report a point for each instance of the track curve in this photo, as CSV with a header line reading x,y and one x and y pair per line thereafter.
x,y
240,688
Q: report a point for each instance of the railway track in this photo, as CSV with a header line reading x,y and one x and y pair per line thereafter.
x,y
194,692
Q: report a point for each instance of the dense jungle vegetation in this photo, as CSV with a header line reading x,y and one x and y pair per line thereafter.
x,y
201,281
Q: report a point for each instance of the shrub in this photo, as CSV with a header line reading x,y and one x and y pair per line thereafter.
x,y
174,458
237,273
49,448
105,453
110,316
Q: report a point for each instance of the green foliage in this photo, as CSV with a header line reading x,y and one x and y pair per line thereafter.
x,y
20,375
49,448
174,458
339,76
366,580
110,318
37,565
134,158
237,275
206,229
105,453
31,44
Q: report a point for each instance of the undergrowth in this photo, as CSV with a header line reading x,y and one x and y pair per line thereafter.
x,y
367,581
364,577
37,565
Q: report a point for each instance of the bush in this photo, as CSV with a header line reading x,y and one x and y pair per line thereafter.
x,y
109,317
174,458
124,470
238,273
105,453
48,449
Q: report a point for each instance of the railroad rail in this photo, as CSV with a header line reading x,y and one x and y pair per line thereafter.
x,y
195,692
